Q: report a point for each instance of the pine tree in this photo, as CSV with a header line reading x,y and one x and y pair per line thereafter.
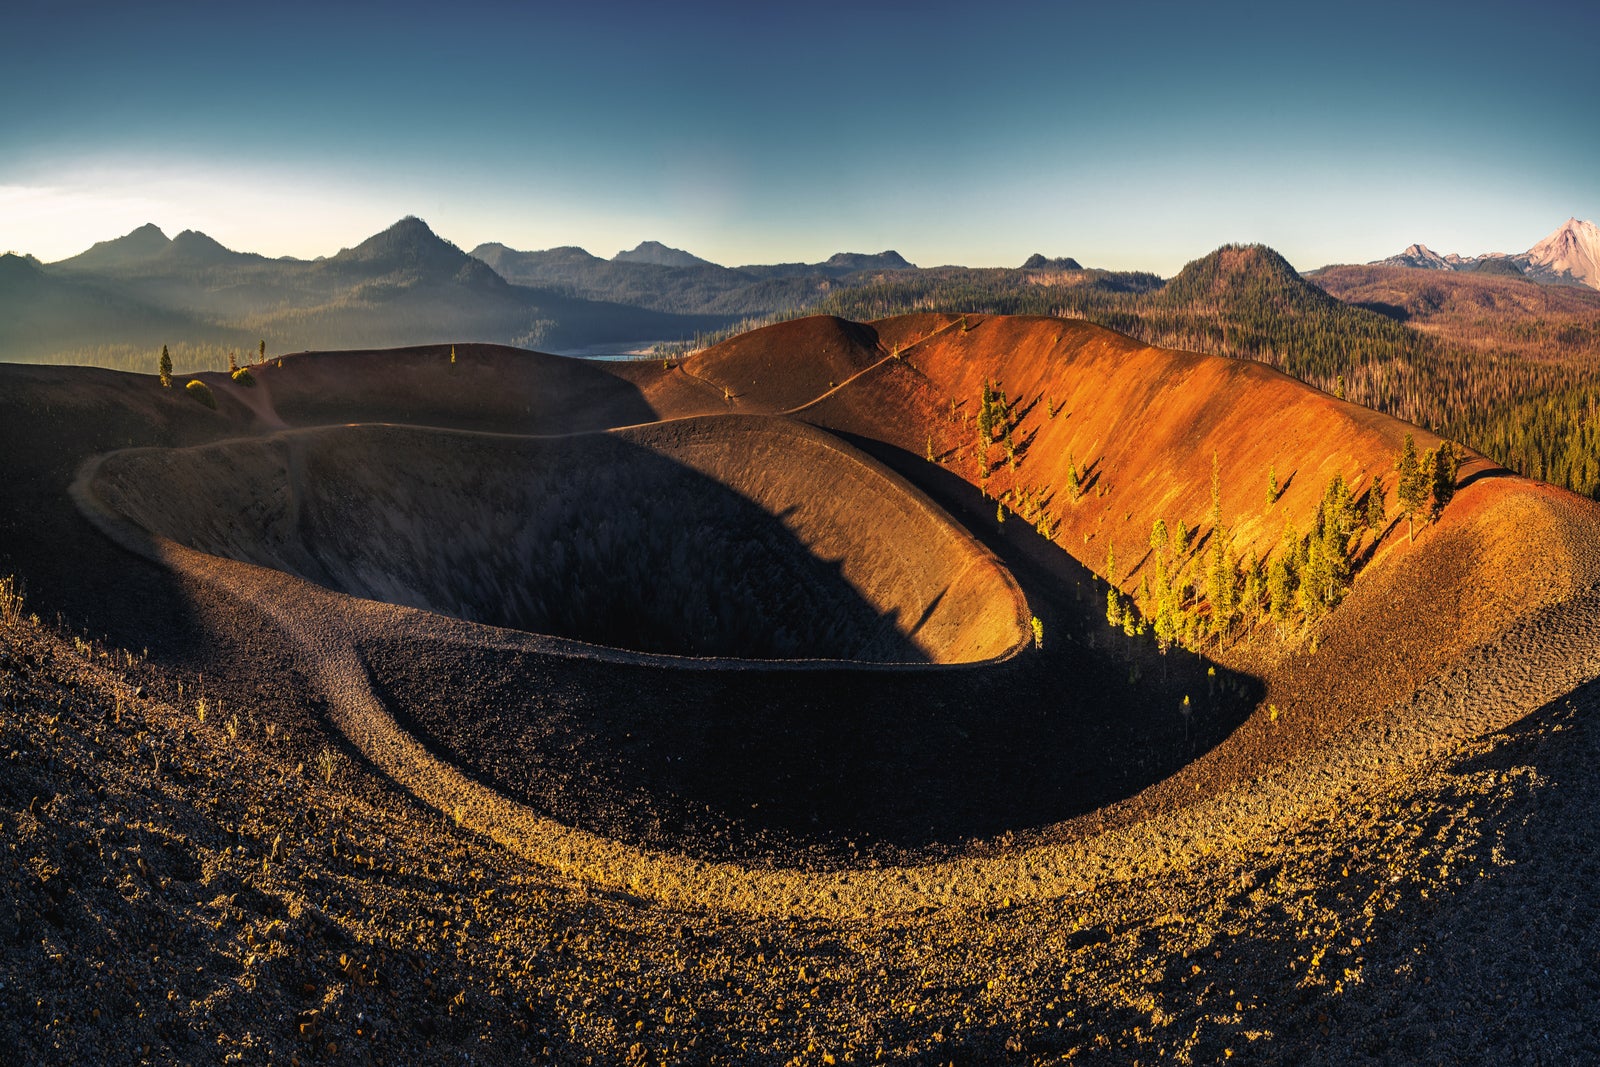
x,y
1216,493
1169,606
166,368
987,415
1315,578
1222,587
1336,521
1158,536
1273,490
1338,507
1412,491
261,350
1446,462
1280,589
1283,574
1254,589
1377,510
1168,626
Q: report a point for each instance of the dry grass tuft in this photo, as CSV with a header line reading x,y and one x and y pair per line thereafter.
x,y
10,600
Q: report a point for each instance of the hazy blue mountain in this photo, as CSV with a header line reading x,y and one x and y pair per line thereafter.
x,y
121,253
405,285
44,312
659,255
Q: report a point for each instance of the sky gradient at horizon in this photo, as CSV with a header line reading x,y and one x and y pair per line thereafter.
x,y
955,133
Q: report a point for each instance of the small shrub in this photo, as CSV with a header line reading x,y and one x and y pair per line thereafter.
x,y
244,377
1038,632
201,392
325,764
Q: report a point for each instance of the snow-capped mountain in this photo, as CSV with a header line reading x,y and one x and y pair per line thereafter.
x,y
1572,253
1569,256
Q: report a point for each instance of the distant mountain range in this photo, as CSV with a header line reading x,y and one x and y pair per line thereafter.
x,y
405,285
1568,256
1468,346
121,299
667,279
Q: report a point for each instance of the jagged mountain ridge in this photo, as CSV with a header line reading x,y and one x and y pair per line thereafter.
x,y
404,284
401,285
1570,255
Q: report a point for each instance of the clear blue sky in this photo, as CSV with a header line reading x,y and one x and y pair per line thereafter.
x,y
1133,135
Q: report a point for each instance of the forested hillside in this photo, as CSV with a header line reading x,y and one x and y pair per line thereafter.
x,y
1530,405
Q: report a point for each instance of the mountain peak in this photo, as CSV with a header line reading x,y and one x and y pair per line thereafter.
x,y
409,230
1570,254
408,244
1417,255
131,249
1038,261
197,247
660,255
1254,271
20,264
886,260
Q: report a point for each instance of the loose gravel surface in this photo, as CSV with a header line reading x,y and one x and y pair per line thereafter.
x,y
245,889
